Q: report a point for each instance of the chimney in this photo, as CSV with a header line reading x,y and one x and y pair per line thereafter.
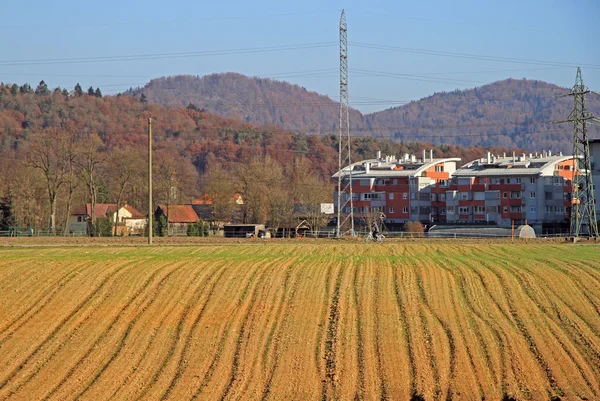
x,y
489,157
413,158
503,155
406,156
431,154
367,167
530,155
378,154
549,153
514,157
424,154
560,153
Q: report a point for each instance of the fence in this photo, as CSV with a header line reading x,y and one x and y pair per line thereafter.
x,y
308,234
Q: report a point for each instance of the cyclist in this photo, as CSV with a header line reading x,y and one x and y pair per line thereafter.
x,y
376,233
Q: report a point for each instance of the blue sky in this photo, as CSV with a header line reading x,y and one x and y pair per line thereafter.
x,y
38,39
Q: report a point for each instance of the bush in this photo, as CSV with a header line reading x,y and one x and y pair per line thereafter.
x,y
103,227
198,229
415,229
160,228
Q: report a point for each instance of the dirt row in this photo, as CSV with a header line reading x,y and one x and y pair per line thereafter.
x,y
435,321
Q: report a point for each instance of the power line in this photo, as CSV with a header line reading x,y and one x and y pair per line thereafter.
x,y
471,56
157,56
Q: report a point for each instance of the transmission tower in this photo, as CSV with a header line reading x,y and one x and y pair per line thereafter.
x,y
345,211
583,211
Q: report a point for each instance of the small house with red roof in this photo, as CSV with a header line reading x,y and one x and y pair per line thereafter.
x,y
130,220
178,217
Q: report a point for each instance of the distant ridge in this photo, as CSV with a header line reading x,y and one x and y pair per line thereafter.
x,y
512,113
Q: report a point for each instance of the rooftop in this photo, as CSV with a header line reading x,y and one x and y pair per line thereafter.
x,y
523,164
389,166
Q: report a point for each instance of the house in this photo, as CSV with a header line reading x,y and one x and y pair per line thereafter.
x,y
131,221
205,209
178,217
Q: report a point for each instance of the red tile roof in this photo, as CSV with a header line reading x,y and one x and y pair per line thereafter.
x,y
104,210
180,213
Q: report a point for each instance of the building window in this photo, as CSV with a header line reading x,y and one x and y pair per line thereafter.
x,y
532,180
479,196
508,180
515,194
412,195
414,210
479,209
442,197
404,195
505,209
439,169
443,210
548,195
532,195
450,209
391,209
443,183
433,197
80,219
395,181
504,195
464,196
463,210
532,209
405,209
518,180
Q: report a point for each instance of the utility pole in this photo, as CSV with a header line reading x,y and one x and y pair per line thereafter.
x,y
150,181
583,209
344,188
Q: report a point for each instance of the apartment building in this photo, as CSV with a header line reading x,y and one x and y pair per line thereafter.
x,y
495,189
533,189
402,189
595,160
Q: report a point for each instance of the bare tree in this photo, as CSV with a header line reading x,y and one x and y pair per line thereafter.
x,y
71,181
122,168
90,159
220,190
176,178
310,191
257,180
48,152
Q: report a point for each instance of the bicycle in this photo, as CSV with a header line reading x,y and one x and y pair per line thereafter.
x,y
378,238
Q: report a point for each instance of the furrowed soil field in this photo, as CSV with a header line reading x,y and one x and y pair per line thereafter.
x,y
305,321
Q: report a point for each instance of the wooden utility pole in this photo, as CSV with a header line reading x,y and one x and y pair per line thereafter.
x,y
150,181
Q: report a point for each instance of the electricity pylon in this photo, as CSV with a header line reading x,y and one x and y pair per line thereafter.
x,y
345,210
583,208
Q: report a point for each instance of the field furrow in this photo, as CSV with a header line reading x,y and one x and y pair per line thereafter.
x,y
309,320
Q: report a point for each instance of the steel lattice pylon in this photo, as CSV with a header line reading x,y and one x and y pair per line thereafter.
x,y
345,206
583,211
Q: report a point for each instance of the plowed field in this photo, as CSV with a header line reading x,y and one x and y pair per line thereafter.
x,y
305,321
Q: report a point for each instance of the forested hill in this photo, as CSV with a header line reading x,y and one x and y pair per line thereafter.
x,y
511,113
257,100
519,113
202,139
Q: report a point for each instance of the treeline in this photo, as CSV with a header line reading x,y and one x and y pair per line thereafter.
x,y
60,149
